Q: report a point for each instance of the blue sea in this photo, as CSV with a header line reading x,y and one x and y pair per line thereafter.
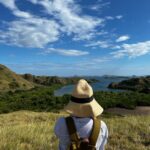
x,y
101,85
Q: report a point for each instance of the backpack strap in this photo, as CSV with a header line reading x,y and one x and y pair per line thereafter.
x,y
72,131
74,136
95,132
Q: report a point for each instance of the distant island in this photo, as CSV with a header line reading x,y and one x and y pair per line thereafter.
x,y
140,84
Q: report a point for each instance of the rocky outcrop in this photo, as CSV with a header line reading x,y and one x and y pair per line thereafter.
x,y
49,80
44,80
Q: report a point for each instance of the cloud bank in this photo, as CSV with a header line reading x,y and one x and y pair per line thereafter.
x,y
63,17
69,52
133,50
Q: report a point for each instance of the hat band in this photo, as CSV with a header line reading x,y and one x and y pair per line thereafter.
x,y
81,100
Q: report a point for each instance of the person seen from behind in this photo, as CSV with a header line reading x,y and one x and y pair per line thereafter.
x,y
82,130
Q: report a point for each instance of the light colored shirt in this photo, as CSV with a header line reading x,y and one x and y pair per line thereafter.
x,y
84,128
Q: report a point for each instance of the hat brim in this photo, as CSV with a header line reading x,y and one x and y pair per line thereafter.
x,y
91,109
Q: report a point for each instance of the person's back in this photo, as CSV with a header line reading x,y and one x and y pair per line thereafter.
x,y
84,109
84,127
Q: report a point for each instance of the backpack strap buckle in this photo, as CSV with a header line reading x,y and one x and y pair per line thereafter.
x,y
75,145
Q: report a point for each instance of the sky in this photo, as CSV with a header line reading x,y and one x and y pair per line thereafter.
x,y
75,37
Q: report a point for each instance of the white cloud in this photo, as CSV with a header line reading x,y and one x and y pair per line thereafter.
x,y
116,47
35,32
99,5
101,44
66,17
119,17
95,7
69,52
123,38
133,50
109,18
113,18
10,4
70,16
22,14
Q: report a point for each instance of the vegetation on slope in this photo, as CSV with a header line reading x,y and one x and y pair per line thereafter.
x,y
141,84
33,131
11,81
43,99
37,99
50,80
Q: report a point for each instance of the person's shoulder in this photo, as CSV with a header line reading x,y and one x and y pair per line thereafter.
x,y
60,127
103,125
61,121
104,129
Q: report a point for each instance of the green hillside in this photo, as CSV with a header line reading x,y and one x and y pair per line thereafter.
x,y
9,80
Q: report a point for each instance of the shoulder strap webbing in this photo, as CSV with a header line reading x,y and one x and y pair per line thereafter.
x,y
72,129
95,132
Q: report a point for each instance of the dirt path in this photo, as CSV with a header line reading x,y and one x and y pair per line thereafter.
x,y
141,110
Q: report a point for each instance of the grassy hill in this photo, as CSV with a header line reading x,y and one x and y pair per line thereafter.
x,y
25,130
9,80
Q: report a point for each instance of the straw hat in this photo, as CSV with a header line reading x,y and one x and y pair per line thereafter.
x,y
82,103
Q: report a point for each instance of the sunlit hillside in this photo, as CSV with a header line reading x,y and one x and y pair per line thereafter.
x,y
25,130
9,80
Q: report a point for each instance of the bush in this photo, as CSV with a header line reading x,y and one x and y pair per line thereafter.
x,y
43,99
13,85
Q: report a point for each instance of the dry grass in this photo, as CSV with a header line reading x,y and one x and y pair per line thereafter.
x,y
26,130
7,76
129,133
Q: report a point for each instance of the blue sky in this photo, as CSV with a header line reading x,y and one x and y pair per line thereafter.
x,y
75,37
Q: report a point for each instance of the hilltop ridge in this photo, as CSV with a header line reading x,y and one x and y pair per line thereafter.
x,y
10,80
